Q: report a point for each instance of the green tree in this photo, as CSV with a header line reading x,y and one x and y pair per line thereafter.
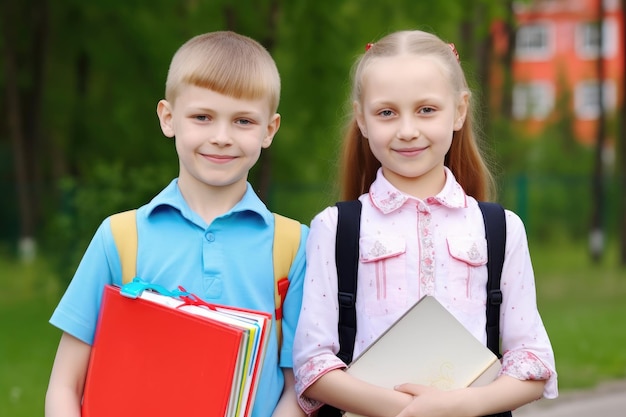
x,y
89,90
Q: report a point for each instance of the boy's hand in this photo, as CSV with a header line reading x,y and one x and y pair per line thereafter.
x,y
67,380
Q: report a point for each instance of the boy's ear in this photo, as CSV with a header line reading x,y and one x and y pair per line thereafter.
x,y
164,111
461,111
360,120
272,128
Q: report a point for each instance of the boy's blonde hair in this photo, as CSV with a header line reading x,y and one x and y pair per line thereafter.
x,y
358,164
227,63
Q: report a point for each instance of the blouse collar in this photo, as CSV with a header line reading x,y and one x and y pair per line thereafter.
x,y
388,198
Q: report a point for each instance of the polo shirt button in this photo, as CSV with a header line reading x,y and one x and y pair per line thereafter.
x,y
210,237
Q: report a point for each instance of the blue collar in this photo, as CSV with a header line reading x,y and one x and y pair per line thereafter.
x,y
171,197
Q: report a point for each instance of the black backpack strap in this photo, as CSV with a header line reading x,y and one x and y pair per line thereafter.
x,y
347,260
495,232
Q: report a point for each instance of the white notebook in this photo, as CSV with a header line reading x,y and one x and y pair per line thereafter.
x,y
427,346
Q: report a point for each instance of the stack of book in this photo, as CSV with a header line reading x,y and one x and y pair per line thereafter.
x,y
157,355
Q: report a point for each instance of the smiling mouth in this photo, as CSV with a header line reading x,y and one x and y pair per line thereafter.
x,y
410,151
220,159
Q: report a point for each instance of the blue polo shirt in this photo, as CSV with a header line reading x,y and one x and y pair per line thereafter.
x,y
227,262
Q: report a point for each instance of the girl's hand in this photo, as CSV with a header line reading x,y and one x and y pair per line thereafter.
x,y
288,404
505,393
427,401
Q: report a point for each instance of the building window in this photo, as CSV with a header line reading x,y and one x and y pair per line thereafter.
x,y
586,99
532,42
533,100
611,5
588,39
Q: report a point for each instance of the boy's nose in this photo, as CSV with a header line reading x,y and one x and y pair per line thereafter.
x,y
220,135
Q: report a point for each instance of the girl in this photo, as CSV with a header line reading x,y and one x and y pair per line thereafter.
x,y
411,157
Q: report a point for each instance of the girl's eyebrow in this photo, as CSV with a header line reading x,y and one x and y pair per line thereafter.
x,y
427,100
378,104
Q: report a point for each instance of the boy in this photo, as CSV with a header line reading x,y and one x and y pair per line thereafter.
x,y
207,230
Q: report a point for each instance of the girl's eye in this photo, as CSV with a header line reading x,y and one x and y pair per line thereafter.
x,y
201,117
385,113
427,110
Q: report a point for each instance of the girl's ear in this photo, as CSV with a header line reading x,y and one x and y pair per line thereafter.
x,y
164,111
461,111
360,120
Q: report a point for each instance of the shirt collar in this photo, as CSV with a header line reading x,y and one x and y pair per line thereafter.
x,y
388,198
172,197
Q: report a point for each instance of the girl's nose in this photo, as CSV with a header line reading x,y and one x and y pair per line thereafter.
x,y
407,130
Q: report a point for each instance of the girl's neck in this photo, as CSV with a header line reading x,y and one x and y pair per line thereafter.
x,y
422,187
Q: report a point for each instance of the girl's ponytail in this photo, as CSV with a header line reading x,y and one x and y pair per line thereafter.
x,y
358,165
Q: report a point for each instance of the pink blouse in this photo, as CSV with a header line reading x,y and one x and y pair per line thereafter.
x,y
410,248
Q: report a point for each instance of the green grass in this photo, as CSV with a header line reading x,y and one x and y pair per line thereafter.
x,y
583,307
28,342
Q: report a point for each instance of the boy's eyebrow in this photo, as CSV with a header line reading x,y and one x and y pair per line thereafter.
x,y
243,112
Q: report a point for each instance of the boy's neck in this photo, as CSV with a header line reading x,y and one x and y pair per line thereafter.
x,y
211,202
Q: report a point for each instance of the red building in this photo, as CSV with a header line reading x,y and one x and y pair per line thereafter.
x,y
556,68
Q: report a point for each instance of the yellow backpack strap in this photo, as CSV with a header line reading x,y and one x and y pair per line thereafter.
x,y
285,248
286,244
124,228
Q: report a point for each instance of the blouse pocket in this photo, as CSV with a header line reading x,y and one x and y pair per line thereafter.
x,y
470,251
377,249
467,256
383,282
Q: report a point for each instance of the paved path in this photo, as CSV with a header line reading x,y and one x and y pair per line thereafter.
x,y
607,400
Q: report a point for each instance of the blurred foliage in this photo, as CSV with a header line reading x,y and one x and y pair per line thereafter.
x,y
106,189
546,179
100,150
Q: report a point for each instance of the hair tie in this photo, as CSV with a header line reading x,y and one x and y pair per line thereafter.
x,y
455,52
368,46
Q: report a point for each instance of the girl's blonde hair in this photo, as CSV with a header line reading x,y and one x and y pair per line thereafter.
x,y
227,63
358,165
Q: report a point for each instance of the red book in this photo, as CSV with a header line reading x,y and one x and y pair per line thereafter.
x,y
153,357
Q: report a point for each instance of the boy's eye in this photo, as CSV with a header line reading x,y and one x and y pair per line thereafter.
x,y
201,117
244,122
426,110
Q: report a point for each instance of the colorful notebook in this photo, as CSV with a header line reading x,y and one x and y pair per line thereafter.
x,y
427,346
152,356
